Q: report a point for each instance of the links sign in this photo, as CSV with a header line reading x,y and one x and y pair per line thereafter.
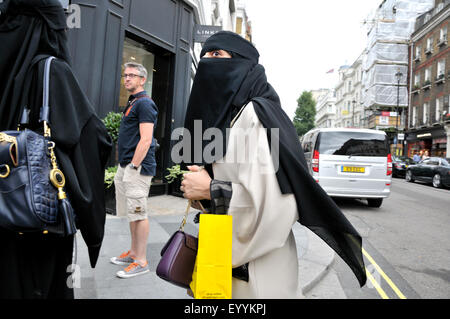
x,y
203,32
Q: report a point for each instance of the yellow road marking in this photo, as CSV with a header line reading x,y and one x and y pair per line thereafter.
x,y
381,272
376,285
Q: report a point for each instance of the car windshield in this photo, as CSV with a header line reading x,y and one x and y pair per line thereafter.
x,y
353,144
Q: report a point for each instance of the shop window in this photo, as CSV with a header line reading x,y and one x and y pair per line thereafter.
x,y
134,51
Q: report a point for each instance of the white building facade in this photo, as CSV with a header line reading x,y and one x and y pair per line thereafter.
x,y
326,110
230,15
349,96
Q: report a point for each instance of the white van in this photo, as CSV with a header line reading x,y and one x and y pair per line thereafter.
x,y
350,162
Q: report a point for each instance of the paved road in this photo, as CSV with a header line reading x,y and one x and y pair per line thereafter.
x,y
406,243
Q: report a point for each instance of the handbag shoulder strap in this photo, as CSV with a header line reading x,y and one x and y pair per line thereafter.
x,y
45,109
187,212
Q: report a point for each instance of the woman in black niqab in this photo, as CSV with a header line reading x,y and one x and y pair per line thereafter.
x,y
36,265
316,210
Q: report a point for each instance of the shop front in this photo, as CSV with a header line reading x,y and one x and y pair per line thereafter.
x,y
157,34
434,140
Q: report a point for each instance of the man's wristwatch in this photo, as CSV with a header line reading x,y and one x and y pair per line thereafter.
x,y
134,166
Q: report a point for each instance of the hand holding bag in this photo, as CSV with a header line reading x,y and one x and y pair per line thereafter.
x,y
178,256
32,196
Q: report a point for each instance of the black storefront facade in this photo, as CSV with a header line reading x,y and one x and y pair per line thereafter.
x,y
157,34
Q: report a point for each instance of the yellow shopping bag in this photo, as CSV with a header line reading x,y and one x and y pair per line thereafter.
x,y
211,278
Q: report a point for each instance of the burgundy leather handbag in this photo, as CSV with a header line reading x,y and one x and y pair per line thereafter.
x,y
178,257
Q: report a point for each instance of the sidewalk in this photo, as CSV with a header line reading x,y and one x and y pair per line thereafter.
x,y
315,257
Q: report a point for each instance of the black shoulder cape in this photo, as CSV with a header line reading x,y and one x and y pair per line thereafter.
x,y
33,27
317,211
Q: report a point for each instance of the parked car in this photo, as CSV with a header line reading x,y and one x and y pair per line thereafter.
x,y
400,164
353,163
434,170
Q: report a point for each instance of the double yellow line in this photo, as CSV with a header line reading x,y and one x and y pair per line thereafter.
x,y
377,284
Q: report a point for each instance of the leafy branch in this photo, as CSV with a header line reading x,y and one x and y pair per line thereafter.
x,y
110,172
174,172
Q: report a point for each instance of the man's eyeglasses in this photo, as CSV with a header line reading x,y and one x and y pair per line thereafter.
x,y
130,75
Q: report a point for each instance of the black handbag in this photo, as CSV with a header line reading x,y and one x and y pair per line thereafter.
x,y
32,196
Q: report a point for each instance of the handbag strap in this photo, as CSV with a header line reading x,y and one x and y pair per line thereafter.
x,y
45,107
187,212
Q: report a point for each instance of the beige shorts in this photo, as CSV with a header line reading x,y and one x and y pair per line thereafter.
x,y
132,191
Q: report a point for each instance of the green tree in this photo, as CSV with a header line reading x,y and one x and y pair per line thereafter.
x,y
305,113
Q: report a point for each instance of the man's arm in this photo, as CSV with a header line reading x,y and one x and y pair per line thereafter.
x,y
146,132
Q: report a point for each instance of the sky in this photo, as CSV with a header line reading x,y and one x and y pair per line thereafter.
x,y
299,41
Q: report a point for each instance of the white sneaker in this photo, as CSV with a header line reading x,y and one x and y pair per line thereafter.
x,y
123,259
134,269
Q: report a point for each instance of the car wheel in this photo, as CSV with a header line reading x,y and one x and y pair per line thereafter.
x,y
409,176
374,202
437,181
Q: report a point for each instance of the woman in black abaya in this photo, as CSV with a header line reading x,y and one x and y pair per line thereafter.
x,y
260,177
37,265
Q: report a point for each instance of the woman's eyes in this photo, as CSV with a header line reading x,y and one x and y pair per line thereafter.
x,y
216,53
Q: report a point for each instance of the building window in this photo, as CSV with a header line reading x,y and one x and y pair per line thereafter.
x,y
438,109
416,81
443,34
417,55
414,116
441,68
427,76
429,47
426,108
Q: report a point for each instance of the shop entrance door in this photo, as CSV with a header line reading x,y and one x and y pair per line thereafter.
x,y
158,63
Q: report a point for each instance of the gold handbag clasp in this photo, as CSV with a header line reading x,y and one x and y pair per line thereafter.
x,y
13,149
4,166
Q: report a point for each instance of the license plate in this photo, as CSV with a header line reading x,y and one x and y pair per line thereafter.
x,y
353,169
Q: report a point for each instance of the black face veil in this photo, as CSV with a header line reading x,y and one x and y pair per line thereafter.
x,y
220,89
211,103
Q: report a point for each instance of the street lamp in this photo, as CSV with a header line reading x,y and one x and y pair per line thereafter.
x,y
399,77
353,113
364,113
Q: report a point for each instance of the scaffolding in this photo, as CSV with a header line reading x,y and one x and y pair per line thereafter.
x,y
387,52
